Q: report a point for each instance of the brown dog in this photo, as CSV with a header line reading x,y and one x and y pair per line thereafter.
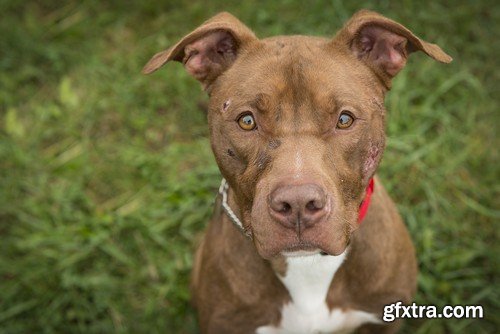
x,y
297,129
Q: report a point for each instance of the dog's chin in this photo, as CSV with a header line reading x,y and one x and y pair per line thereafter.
x,y
302,249
302,253
326,238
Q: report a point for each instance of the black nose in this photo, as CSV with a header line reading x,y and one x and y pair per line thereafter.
x,y
298,206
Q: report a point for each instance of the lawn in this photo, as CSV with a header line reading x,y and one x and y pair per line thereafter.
x,y
107,178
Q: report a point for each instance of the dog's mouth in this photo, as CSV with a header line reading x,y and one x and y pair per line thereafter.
x,y
326,239
301,249
305,249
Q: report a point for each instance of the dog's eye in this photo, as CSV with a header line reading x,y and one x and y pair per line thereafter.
x,y
345,120
247,122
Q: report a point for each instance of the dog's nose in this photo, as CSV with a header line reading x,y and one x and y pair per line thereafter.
x,y
298,206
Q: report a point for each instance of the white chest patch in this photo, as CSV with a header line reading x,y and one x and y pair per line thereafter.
x,y
308,279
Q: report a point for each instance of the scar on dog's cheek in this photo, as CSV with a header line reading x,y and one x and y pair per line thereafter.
x,y
372,158
225,105
262,161
274,143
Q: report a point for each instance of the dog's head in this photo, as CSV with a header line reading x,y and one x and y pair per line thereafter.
x,y
297,123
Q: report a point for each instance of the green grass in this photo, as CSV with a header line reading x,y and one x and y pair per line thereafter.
x,y
107,178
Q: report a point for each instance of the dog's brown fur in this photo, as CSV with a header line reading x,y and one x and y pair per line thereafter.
x,y
296,87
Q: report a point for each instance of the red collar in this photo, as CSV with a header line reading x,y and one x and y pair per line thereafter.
x,y
363,208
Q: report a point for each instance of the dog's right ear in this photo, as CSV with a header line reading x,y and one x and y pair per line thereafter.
x,y
207,51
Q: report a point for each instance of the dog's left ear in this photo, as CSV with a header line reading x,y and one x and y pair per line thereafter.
x,y
384,45
207,51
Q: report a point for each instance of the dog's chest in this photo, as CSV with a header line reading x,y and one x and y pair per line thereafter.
x,y
308,280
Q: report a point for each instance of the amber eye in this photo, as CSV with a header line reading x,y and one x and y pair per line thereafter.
x,y
247,122
345,121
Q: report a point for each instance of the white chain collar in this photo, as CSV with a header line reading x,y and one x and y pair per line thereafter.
x,y
224,186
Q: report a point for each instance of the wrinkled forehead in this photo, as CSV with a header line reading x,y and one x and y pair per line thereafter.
x,y
298,71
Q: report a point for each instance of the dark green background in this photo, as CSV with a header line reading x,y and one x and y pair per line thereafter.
x,y
107,178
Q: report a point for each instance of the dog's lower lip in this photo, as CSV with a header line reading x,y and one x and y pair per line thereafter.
x,y
300,253
301,250
300,247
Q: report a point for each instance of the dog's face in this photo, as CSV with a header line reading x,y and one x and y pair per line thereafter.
x,y
297,123
297,130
